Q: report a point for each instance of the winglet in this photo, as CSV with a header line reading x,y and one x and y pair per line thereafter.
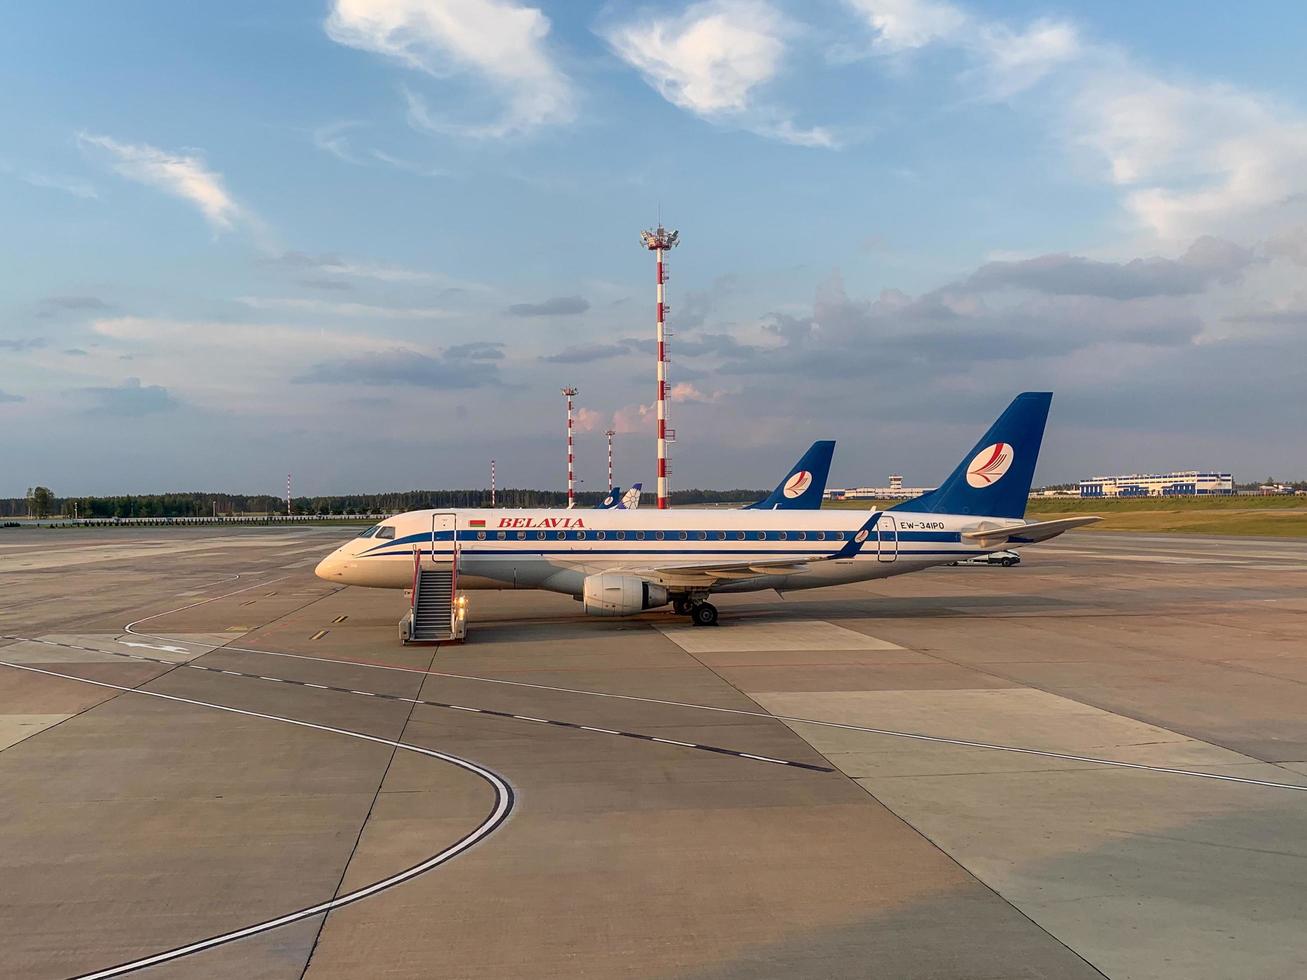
x,y
855,543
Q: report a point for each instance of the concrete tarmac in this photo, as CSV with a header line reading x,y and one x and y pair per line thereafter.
x,y
1092,764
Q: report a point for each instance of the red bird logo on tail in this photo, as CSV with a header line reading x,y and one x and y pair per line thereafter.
x,y
988,466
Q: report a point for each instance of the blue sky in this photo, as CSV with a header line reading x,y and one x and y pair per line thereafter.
x,y
368,240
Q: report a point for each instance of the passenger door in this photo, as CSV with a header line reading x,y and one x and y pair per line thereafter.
x,y
887,538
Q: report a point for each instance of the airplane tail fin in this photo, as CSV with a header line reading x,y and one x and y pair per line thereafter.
x,y
611,501
993,480
631,499
804,485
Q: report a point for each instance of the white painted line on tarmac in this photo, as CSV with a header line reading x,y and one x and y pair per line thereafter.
x,y
890,733
503,805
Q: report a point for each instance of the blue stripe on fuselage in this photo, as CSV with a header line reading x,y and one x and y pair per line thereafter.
x,y
590,536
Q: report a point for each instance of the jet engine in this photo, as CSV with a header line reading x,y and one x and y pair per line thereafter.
x,y
615,594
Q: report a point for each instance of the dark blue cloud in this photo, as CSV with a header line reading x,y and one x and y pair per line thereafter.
x,y
557,306
131,398
400,366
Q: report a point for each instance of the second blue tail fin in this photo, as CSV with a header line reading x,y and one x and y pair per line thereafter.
x,y
804,485
993,480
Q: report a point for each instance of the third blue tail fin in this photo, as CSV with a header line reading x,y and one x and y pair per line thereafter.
x,y
804,485
993,480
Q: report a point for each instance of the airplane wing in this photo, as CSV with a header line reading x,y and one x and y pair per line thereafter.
x,y
1025,533
707,574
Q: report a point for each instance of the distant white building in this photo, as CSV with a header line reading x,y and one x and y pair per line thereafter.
x,y
1189,483
895,491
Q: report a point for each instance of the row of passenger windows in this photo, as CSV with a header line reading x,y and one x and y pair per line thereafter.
x,y
674,536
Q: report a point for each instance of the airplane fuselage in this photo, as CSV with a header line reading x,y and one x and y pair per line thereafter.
x,y
556,550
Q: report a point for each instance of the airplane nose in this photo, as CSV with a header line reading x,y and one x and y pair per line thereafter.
x,y
330,568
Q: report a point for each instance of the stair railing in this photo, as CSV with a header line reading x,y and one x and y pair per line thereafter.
x,y
417,568
453,579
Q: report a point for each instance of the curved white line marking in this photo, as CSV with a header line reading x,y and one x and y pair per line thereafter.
x,y
498,814
191,605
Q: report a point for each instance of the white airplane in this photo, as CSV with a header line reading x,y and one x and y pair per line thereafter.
x,y
622,562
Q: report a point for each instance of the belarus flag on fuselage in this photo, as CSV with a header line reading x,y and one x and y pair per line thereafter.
x,y
476,523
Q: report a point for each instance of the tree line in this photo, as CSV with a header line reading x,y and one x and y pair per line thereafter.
x,y
42,502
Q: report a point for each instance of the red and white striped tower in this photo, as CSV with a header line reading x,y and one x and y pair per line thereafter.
x,y
569,393
288,495
610,433
492,483
659,241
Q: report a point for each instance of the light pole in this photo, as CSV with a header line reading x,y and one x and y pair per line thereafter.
x,y
610,433
658,241
569,393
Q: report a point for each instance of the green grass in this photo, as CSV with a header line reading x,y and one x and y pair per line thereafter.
x,y
1253,516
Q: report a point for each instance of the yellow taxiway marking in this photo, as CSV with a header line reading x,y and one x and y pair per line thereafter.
x,y
318,635
272,593
341,619
250,603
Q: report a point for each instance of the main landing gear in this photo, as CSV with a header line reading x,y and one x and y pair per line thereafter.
x,y
704,614
700,611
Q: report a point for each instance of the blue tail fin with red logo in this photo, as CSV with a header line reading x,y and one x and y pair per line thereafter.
x,y
804,485
993,480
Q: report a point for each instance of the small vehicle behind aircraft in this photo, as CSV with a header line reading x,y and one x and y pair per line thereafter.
x,y
1005,558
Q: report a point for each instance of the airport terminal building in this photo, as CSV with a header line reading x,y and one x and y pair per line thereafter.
x,y
1190,483
895,491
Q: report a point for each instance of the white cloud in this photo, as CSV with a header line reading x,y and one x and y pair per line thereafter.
x,y
712,59
407,166
905,24
500,41
1013,61
181,175
222,365
344,309
1190,158
347,267
332,139
69,185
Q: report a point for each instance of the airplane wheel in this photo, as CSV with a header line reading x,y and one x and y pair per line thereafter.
x,y
704,614
681,606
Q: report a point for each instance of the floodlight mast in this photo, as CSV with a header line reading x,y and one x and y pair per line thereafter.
x,y
658,241
569,393
610,433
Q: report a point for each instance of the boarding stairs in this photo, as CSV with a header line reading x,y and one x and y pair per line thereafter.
x,y
436,614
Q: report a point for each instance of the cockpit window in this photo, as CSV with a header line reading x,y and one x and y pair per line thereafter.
x,y
386,532
371,531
